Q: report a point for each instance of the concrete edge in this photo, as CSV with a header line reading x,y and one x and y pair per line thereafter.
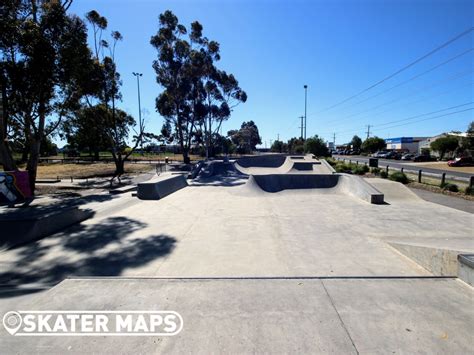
x,y
163,186
358,187
327,165
438,261
23,230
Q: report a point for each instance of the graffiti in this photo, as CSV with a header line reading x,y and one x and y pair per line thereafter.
x,y
14,186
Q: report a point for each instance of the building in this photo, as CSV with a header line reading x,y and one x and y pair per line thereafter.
x,y
425,145
404,144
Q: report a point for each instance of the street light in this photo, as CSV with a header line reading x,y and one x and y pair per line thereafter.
x,y
138,75
305,104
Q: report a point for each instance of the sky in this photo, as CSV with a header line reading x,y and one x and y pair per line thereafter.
x,y
336,47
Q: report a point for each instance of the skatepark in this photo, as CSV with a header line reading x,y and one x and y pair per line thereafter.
x,y
263,254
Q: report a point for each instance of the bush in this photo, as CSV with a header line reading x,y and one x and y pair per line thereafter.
x,y
399,177
451,187
383,174
469,191
342,167
375,171
361,169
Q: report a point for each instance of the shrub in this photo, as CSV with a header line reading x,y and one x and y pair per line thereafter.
x,y
399,177
469,191
361,169
375,171
451,187
383,174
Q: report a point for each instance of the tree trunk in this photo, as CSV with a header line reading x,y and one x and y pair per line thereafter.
x,y
6,156
32,165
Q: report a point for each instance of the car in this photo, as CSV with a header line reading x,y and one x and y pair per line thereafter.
x,y
424,157
380,154
462,161
392,155
408,156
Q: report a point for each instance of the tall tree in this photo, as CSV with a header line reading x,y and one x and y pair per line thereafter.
x,y
317,146
114,124
196,96
43,55
246,138
373,144
445,144
356,143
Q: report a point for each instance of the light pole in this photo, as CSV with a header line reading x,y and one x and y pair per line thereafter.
x,y
138,75
305,104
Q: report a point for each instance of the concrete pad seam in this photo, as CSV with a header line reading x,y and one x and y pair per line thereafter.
x,y
340,318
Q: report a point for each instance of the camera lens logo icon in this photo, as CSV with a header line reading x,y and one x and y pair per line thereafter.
x,y
12,322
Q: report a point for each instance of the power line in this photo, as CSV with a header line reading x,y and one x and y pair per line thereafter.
x,y
409,118
417,90
415,77
469,30
425,114
426,119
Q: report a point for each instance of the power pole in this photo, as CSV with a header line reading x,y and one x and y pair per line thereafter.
x,y
302,126
278,136
305,104
368,131
334,140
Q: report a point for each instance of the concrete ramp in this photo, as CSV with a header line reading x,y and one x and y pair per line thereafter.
x,y
316,183
160,187
394,192
288,165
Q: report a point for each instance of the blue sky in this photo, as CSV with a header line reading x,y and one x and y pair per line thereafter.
x,y
337,48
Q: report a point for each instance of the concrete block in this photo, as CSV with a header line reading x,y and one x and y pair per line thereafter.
x,y
20,228
160,187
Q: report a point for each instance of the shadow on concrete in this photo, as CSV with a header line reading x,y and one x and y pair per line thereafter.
x,y
221,181
102,249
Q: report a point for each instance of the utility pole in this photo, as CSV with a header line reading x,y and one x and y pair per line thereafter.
x,y
302,126
368,131
305,104
334,140
278,136
138,75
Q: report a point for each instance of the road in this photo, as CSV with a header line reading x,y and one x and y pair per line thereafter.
x,y
407,166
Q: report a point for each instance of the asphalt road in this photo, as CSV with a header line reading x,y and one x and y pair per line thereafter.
x,y
408,166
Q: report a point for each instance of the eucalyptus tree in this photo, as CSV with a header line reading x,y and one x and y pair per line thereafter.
x,y
196,96
43,61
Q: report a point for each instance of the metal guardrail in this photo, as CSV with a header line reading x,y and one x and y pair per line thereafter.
x,y
443,175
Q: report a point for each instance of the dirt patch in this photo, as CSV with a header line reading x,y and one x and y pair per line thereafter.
x,y
82,171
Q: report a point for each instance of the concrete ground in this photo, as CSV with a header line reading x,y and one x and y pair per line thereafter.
x,y
445,200
294,271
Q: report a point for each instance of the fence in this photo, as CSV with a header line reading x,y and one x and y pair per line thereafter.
x,y
418,173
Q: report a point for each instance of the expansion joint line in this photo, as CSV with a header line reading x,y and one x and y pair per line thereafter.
x,y
340,318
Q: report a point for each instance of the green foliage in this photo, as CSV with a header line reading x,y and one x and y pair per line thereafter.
x,y
383,174
375,171
246,138
279,147
450,187
295,145
356,143
44,72
469,191
445,144
399,177
361,169
197,95
373,144
317,146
